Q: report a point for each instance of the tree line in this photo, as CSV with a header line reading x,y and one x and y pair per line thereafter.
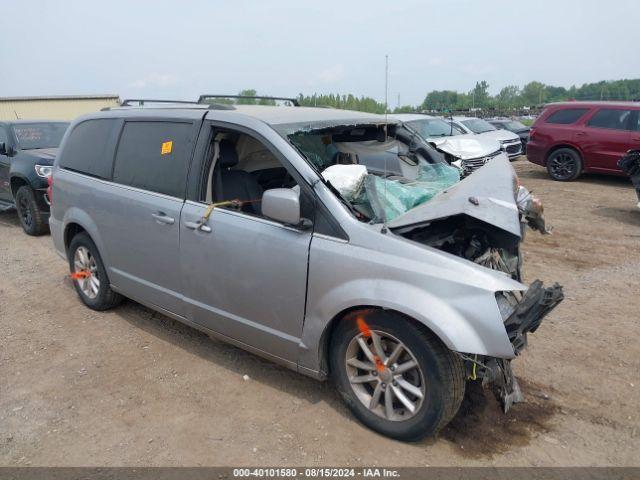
x,y
512,97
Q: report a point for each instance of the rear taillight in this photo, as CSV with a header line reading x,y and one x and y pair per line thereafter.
x,y
50,188
531,132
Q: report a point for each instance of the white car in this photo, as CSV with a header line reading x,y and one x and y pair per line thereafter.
x,y
466,151
509,141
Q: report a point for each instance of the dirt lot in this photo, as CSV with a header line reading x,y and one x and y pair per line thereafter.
x,y
132,387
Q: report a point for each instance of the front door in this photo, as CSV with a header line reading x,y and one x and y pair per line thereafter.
x,y
605,138
245,276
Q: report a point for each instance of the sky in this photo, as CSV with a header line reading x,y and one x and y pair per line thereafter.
x,y
180,49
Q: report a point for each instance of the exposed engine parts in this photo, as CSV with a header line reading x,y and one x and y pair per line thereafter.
x,y
528,313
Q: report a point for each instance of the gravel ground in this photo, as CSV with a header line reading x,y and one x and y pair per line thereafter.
x,y
132,387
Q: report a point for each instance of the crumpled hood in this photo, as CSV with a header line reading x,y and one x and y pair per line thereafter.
x,y
48,155
466,146
487,195
500,135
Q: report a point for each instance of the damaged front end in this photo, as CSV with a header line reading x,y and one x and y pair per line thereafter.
x,y
483,219
521,316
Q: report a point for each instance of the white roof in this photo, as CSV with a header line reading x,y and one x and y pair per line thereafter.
x,y
460,119
407,117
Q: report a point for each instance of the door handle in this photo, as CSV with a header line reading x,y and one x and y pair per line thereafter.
x,y
636,139
160,217
581,134
198,226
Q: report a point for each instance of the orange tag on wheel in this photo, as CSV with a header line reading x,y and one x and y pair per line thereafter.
x,y
80,275
167,147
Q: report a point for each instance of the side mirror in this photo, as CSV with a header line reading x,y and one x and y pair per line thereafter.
x,y
282,205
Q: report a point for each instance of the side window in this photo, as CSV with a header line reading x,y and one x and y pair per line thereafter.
x,y
240,168
566,116
89,148
3,134
154,156
610,118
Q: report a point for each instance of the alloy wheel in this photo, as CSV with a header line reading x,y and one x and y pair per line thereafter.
x,y
25,211
84,262
385,376
563,165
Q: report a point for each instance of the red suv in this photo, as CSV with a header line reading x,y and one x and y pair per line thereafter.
x,y
574,137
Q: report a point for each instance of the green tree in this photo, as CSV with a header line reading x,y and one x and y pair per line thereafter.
x,y
480,95
508,96
533,93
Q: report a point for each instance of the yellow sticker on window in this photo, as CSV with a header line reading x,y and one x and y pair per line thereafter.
x,y
166,147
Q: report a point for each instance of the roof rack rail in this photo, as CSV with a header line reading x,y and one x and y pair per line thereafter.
x,y
141,101
293,101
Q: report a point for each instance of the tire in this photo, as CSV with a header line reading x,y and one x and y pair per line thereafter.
x,y
29,214
103,298
564,165
440,376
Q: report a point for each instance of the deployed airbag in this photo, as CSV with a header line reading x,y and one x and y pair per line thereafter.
x,y
347,179
390,198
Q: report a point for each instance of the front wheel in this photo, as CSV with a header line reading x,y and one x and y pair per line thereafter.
x,y
31,219
396,377
564,165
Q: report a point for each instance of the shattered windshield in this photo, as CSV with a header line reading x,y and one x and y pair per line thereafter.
x,y
380,176
432,127
477,125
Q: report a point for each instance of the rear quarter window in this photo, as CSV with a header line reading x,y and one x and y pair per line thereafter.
x,y
90,146
614,119
154,156
566,115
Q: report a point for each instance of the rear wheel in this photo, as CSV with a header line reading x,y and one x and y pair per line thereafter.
x,y
564,165
31,218
396,377
89,275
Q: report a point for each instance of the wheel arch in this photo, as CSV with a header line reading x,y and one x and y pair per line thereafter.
x,y
16,182
470,322
76,221
570,146
350,312
71,230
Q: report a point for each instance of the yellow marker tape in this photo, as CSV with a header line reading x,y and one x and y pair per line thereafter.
x,y
167,147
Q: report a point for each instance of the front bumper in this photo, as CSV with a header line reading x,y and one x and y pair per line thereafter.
x,y
42,200
512,149
527,315
522,317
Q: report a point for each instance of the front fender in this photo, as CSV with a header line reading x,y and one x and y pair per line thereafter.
x,y
450,297
22,167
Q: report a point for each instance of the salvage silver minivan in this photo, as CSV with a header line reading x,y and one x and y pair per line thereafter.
x,y
336,243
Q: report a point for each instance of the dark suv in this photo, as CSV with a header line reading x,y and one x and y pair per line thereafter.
x,y
27,151
574,137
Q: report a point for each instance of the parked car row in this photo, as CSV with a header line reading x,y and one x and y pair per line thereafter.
x,y
509,141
